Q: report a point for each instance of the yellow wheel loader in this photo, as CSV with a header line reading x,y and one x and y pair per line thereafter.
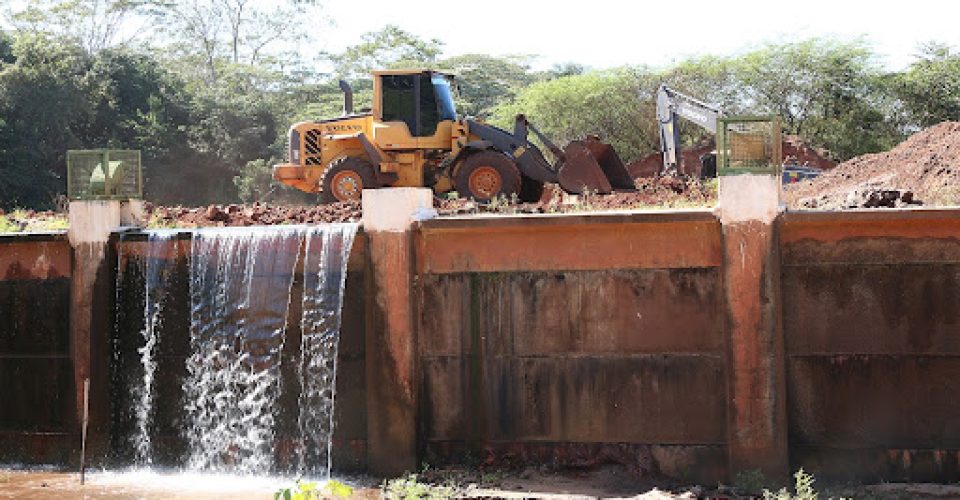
x,y
412,137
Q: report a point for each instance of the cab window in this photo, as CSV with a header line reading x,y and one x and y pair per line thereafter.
x,y
429,111
399,100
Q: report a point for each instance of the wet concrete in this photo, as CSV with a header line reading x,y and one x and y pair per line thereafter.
x,y
350,438
648,341
757,403
37,417
574,368
870,318
391,354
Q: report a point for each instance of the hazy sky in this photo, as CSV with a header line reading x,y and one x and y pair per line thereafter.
x,y
603,33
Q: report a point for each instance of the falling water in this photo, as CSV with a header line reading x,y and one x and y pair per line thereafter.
x,y
239,291
155,266
240,286
325,271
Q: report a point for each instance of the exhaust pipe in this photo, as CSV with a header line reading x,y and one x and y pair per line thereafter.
x,y
347,98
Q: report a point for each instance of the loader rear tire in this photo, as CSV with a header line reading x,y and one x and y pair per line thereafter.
x,y
346,179
487,175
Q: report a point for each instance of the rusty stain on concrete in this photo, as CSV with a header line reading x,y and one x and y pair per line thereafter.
x,y
30,260
525,358
757,402
391,349
500,245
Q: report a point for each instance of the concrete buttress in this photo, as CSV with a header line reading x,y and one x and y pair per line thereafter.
x,y
756,416
391,337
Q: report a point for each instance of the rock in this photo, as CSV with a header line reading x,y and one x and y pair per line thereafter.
x,y
214,214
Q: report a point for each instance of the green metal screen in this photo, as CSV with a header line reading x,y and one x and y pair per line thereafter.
x,y
103,174
748,144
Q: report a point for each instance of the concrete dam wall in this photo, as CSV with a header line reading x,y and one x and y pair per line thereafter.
x,y
672,343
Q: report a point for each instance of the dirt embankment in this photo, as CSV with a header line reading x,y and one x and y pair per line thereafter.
x,y
257,214
663,192
654,192
922,170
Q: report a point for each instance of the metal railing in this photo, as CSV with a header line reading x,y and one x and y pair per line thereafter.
x,y
748,144
104,174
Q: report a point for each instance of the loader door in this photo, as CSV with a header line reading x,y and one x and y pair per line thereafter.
x,y
400,100
412,99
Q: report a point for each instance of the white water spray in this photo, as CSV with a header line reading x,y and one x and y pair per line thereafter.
x,y
240,287
156,267
325,271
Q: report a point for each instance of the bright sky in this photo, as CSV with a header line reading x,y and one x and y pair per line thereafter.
x,y
605,33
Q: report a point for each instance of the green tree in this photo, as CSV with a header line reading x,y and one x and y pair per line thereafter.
x,y
386,48
92,24
6,49
605,103
560,70
930,88
35,134
213,34
487,81
255,182
826,91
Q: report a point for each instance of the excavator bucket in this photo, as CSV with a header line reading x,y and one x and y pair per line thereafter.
x,y
593,165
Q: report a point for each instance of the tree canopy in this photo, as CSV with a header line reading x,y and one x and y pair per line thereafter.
x,y
208,92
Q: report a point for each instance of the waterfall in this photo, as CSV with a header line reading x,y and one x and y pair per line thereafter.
x,y
325,272
155,266
240,286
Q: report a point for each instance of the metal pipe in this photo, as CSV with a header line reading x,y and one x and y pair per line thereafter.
x,y
347,97
83,431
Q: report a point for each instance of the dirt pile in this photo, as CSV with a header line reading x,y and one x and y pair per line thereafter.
x,y
258,214
793,148
653,192
796,151
663,192
656,192
924,169
18,221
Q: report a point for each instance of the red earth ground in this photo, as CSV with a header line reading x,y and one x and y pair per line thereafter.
x,y
924,169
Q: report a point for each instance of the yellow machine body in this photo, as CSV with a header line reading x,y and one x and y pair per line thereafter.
x,y
412,137
405,157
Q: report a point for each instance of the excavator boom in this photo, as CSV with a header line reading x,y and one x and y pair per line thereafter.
x,y
672,104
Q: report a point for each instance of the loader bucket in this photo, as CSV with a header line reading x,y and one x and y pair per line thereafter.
x,y
593,165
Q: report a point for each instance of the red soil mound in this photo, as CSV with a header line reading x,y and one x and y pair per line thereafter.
x,y
924,169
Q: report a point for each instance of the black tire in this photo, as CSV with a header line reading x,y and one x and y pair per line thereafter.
x,y
708,166
531,191
346,179
486,175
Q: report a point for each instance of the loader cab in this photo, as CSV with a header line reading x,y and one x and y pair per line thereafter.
x,y
420,99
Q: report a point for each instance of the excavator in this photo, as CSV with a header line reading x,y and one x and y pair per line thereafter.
x,y
672,104
745,143
413,137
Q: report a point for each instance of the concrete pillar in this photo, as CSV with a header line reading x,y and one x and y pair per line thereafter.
x,y
91,305
756,417
388,215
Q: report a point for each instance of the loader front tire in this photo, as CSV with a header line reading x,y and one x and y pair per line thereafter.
x,y
487,175
346,179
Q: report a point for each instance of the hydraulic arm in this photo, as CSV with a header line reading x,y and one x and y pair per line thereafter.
x,y
670,105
